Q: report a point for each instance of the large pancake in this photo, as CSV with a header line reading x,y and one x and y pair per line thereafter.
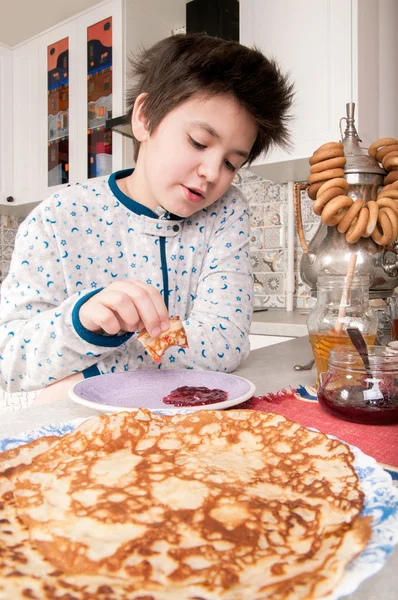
x,y
232,504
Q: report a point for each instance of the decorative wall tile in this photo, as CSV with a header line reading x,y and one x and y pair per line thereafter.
x,y
274,260
7,236
247,176
259,301
302,293
275,301
259,284
7,252
273,238
274,283
273,215
256,215
273,192
253,191
5,268
256,238
257,261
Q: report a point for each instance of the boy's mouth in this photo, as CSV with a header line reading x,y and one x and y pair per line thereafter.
x,y
197,192
194,194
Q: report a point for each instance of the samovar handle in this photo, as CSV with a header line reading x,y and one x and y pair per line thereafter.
x,y
297,189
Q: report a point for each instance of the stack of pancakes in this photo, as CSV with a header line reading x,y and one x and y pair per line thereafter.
x,y
213,505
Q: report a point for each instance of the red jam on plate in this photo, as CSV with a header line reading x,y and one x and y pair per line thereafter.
x,y
188,395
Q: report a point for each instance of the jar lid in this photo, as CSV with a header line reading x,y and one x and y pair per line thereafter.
x,y
381,358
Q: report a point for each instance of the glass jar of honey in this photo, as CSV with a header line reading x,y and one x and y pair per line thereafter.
x,y
352,393
340,304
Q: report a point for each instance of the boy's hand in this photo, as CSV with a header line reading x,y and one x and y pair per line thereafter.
x,y
125,306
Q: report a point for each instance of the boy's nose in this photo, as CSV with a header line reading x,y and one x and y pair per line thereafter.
x,y
209,169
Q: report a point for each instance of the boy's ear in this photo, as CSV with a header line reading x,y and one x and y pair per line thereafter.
x,y
139,122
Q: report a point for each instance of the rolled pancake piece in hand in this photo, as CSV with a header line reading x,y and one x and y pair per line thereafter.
x,y
174,336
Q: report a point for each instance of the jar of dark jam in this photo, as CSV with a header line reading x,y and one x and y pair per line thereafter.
x,y
348,391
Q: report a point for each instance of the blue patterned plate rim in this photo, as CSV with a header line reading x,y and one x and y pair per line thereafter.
x,y
381,503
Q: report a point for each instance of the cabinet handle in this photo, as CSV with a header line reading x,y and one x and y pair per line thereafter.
x,y
10,198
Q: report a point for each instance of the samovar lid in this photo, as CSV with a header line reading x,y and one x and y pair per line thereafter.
x,y
357,161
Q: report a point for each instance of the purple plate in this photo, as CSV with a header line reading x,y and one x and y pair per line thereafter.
x,y
146,389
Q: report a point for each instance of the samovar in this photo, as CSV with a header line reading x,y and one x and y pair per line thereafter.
x,y
328,252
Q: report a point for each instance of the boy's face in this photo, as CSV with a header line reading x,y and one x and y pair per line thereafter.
x,y
191,158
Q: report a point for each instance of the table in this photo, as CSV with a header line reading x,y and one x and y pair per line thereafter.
x,y
270,369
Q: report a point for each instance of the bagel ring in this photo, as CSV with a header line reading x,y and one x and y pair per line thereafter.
x,y
329,174
329,146
391,186
373,209
331,163
324,198
391,177
392,215
380,154
322,155
388,194
350,215
383,202
335,210
312,190
358,226
335,182
390,161
387,141
383,237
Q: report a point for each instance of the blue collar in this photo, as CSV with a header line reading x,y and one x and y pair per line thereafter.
x,y
133,205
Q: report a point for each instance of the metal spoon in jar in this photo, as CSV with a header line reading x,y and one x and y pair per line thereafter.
x,y
359,343
373,393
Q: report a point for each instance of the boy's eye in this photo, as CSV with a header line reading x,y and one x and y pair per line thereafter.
x,y
230,166
196,144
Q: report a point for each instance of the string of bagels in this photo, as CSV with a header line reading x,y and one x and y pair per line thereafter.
x,y
377,218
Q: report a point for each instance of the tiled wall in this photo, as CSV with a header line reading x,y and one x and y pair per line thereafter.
x,y
8,230
268,245
268,213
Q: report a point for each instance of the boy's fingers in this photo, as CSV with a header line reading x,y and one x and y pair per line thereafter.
x,y
159,305
147,310
124,309
104,318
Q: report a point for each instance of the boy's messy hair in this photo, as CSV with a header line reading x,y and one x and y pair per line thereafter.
x,y
180,66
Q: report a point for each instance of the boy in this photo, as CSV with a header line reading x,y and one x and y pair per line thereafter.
x,y
95,263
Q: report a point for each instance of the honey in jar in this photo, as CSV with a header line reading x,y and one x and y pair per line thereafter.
x,y
327,322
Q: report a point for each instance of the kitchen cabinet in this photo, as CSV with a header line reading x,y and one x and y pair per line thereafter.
x,y
24,123
6,133
67,82
336,51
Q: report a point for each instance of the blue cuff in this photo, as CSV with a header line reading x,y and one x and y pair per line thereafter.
x,y
91,371
109,341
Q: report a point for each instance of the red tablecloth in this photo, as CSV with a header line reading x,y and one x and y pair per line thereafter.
x,y
378,441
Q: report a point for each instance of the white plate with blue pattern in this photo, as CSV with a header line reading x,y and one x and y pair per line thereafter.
x,y
381,503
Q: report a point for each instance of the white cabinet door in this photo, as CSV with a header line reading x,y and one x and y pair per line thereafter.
x,y
336,51
25,122
6,133
311,40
